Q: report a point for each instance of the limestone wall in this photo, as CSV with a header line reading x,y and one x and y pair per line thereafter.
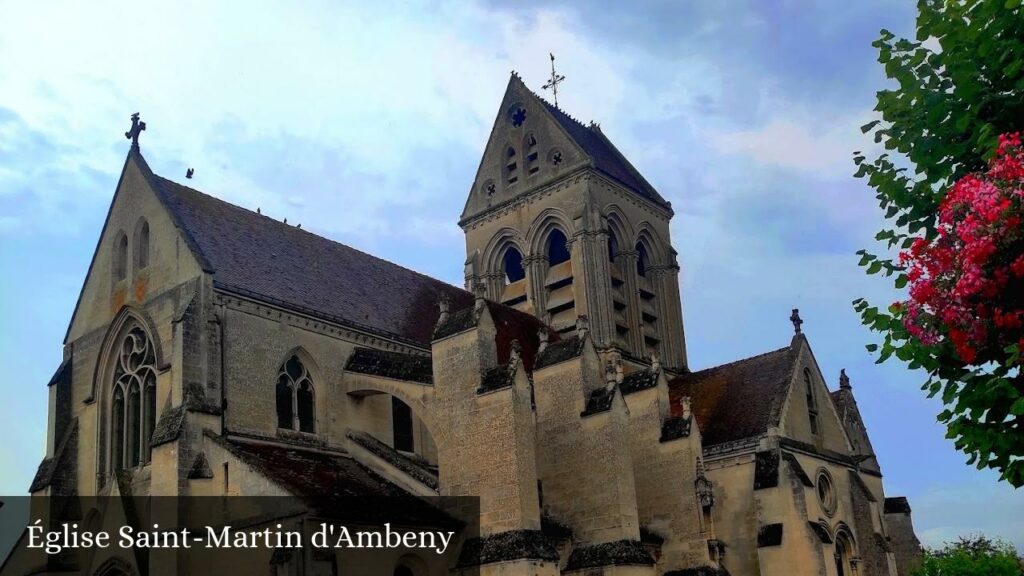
x,y
584,462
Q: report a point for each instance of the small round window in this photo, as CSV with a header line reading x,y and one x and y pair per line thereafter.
x,y
826,492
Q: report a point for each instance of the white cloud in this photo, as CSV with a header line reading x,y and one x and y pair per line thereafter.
x,y
796,144
982,506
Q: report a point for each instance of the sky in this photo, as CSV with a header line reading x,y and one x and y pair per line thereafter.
x,y
366,124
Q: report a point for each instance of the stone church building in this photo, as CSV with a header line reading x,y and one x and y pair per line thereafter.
x,y
216,351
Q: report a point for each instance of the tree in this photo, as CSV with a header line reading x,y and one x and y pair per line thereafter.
x,y
942,122
973,556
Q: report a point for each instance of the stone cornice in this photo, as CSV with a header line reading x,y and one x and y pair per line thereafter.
x,y
584,173
313,323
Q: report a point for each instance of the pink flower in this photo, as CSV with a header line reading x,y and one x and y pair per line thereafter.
x,y
962,283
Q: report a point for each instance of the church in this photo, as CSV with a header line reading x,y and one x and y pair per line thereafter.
x,y
214,351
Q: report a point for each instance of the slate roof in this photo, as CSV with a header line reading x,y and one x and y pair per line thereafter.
x,y
600,400
500,376
266,259
414,468
604,155
334,484
738,400
639,380
560,351
896,505
397,365
62,374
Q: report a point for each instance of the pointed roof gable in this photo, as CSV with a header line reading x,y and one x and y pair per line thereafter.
x,y
261,258
257,256
738,400
584,146
604,156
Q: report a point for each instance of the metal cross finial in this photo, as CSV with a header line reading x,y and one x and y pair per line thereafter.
x,y
795,319
554,81
137,127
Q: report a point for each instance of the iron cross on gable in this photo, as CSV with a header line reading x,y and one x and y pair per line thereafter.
x,y
137,127
554,81
796,320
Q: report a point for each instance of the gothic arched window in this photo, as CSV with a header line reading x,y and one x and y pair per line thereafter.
x,y
642,260
401,425
558,248
530,148
613,246
295,397
513,264
120,266
133,404
142,245
812,402
511,166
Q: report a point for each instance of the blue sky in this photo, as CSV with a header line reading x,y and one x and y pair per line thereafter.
x,y
366,124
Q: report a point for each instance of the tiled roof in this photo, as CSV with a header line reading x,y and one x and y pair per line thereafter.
x,y
896,505
414,468
506,546
61,464
511,324
639,380
495,378
397,365
560,351
675,428
737,400
268,260
275,262
619,553
334,484
600,400
62,374
170,426
605,156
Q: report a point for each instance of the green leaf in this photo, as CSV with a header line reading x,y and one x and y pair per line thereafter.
x,y
867,127
938,119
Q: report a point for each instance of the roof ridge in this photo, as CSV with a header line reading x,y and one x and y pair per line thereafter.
x,y
285,226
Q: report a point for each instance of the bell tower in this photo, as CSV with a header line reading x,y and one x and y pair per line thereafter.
x,y
559,224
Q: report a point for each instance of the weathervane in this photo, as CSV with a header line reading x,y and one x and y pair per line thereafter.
x,y
137,127
555,80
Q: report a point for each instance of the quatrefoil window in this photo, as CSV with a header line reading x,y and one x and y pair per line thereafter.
x,y
555,157
518,116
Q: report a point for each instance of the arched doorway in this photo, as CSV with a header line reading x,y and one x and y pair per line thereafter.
x,y
844,554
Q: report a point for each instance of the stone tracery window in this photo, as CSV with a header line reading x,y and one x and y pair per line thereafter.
x,y
133,405
142,245
120,267
295,397
812,402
